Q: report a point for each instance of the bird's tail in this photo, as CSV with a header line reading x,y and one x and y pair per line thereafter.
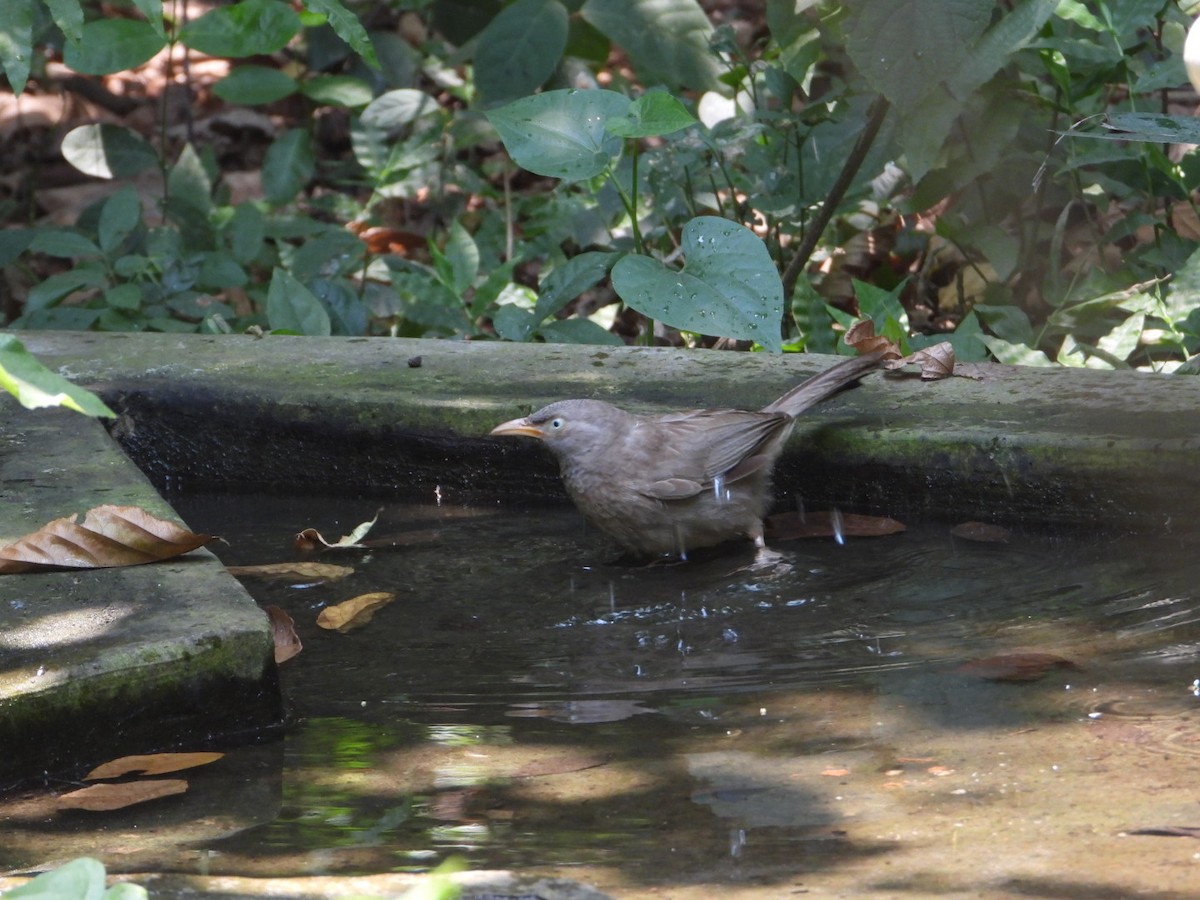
x,y
825,384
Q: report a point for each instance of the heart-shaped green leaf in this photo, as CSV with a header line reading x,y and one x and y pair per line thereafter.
x,y
729,287
561,133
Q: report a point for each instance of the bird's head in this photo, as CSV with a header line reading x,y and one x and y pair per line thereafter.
x,y
573,429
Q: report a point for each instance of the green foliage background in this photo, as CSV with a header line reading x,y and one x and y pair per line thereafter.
x,y
693,169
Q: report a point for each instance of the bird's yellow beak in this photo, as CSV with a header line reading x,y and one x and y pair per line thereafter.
x,y
519,427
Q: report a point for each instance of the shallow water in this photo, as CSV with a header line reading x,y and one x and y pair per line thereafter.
x,y
526,703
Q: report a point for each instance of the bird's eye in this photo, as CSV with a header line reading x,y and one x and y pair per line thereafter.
x,y
557,424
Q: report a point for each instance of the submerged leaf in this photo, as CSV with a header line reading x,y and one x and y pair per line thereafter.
x,y
283,632
313,571
791,526
107,536
355,612
152,764
104,797
1015,666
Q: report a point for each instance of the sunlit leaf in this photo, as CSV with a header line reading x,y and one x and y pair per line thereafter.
x,y
107,151
561,133
292,570
104,797
728,288
151,764
355,612
310,538
35,386
107,536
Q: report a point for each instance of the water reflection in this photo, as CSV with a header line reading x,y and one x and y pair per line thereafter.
x,y
525,703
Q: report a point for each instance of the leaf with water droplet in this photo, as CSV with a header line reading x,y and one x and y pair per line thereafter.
x,y
729,286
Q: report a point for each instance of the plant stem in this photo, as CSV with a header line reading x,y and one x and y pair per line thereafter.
x,y
875,117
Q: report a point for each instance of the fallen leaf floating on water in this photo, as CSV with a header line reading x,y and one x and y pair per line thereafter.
x,y
151,764
1015,666
981,532
283,631
105,536
104,797
792,526
353,613
310,538
311,571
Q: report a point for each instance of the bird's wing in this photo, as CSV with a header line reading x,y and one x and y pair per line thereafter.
x,y
695,448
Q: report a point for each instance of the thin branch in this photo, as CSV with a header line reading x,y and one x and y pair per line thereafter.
x,y
875,117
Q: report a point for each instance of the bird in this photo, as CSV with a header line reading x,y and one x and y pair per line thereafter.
x,y
662,486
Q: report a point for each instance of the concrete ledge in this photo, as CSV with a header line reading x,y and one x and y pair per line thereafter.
x,y
1006,444
98,663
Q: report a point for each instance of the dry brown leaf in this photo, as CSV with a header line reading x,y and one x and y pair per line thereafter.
x,y
106,536
835,773
1015,666
355,612
283,631
151,764
981,532
311,570
936,362
862,338
103,797
310,538
791,526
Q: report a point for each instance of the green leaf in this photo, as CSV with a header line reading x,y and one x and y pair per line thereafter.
x,y
571,279
729,286
463,256
112,45
63,243
514,323
251,85
56,287
396,108
561,133
107,151
35,387
338,90
14,242
651,115
577,331
1016,354
245,232
153,11
346,25
16,41
904,47
68,16
1153,127
249,28
292,307
188,181
121,213
288,166
520,49
124,296
667,40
